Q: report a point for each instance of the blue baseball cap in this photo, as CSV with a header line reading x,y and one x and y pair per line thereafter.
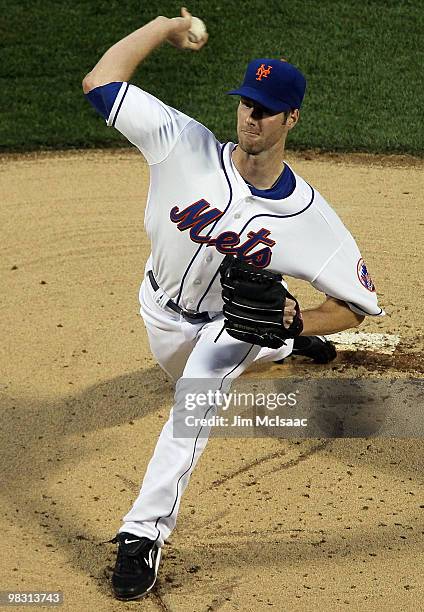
x,y
275,84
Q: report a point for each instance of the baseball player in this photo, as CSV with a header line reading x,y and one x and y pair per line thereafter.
x,y
225,222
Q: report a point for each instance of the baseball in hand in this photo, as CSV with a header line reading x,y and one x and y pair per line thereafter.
x,y
197,30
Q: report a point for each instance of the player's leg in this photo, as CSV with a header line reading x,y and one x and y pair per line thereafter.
x,y
171,339
210,366
317,348
268,354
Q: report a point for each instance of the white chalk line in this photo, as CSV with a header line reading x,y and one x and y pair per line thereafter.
x,y
362,341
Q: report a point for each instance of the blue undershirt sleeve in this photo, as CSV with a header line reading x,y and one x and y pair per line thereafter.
x,y
103,98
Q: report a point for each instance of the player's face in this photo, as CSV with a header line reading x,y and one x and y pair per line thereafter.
x,y
259,130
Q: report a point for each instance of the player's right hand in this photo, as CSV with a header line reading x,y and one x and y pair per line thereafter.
x,y
178,36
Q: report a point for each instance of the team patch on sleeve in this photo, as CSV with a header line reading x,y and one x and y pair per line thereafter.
x,y
364,276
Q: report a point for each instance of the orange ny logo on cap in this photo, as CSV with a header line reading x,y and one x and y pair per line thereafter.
x,y
262,72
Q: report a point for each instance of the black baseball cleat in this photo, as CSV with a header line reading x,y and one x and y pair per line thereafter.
x,y
317,348
136,566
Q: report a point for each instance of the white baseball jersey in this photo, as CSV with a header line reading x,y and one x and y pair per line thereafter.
x,y
199,209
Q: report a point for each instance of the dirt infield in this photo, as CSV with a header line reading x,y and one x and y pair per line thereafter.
x,y
265,523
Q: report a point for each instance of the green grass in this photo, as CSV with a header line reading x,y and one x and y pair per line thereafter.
x,y
362,60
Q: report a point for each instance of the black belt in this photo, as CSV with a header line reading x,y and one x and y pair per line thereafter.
x,y
189,315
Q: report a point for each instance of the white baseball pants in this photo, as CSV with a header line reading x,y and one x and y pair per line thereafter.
x,y
185,351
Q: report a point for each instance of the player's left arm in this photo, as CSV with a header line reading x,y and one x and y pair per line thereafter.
x,y
350,292
329,317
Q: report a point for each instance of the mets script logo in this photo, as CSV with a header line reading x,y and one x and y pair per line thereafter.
x,y
199,215
364,276
263,72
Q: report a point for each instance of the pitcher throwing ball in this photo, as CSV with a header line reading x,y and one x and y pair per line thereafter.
x,y
228,223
